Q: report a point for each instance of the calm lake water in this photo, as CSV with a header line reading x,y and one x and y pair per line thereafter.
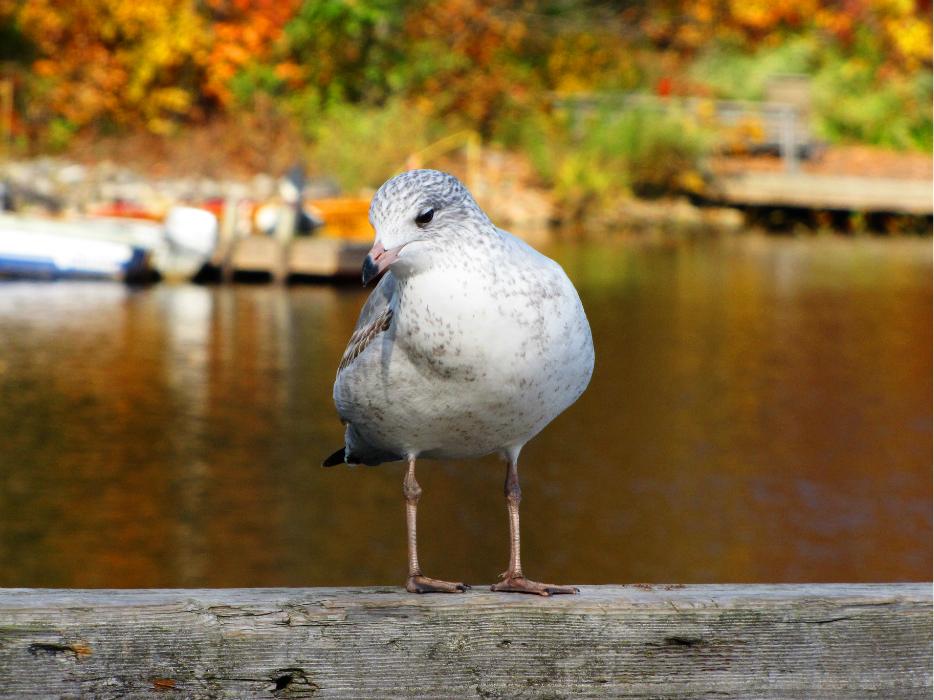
x,y
760,411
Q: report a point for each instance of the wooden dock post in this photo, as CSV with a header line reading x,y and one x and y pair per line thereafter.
x,y
735,641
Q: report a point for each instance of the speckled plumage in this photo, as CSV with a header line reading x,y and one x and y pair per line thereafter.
x,y
471,343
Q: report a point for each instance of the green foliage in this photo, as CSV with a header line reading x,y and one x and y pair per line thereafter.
x,y
352,50
595,158
361,146
256,78
856,96
734,74
14,45
853,105
59,134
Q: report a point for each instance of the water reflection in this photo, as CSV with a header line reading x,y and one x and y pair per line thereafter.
x,y
760,411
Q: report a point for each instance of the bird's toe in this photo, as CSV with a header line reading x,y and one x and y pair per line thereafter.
x,y
520,584
423,584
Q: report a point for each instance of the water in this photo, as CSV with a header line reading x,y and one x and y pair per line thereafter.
x,y
760,412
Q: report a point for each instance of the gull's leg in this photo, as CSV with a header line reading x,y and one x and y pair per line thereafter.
x,y
513,580
416,582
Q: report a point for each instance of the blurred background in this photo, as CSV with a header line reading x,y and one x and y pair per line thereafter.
x,y
740,191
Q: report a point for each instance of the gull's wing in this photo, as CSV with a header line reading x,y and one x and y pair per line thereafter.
x,y
375,317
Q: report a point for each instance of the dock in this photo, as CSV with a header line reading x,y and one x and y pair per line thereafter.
x,y
826,192
336,251
307,257
634,641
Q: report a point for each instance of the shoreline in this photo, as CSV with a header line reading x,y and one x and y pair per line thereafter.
x,y
504,187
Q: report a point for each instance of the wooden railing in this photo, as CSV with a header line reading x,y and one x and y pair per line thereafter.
x,y
642,641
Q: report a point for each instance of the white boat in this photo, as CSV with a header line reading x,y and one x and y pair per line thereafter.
x,y
107,247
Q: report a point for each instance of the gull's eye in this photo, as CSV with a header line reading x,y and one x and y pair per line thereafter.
x,y
425,218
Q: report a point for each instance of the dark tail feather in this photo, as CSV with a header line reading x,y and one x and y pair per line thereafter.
x,y
334,459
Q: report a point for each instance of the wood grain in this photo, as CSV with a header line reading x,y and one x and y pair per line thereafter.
x,y
705,641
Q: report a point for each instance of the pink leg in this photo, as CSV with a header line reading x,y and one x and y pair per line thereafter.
x,y
417,582
513,580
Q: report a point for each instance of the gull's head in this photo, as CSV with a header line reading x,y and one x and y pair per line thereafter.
x,y
414,212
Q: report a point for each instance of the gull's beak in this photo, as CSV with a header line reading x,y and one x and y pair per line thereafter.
x,y
377,260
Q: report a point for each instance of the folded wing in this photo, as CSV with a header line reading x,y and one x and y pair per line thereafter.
x,y
375,318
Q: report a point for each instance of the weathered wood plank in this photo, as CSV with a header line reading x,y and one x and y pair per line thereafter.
x,y
762,641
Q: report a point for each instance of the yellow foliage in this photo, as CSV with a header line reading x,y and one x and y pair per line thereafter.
x,y
903,26
912,37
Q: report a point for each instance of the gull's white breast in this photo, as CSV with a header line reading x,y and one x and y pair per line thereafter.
x,y
483,352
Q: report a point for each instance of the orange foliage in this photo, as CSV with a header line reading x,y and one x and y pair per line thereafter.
x,y
121,58
149,61
245,31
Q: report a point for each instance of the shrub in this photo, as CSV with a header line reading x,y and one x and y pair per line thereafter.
x,y
857,95
594,158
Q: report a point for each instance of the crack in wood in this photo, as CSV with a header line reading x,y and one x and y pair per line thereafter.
x,y
74,651
684,642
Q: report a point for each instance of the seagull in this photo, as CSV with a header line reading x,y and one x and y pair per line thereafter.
x,y
470,344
